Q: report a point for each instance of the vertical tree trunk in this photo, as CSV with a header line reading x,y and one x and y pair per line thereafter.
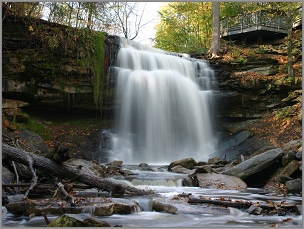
x,y
89,23
289,43
215,46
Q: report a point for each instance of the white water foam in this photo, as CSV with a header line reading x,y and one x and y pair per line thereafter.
x,y
163,115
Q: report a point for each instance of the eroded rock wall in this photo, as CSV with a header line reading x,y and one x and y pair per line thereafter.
x,y
58,66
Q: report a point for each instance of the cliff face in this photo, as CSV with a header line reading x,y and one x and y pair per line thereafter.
x,y
50,64
253,78
55,66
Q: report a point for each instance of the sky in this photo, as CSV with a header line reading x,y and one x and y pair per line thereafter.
x,y
148,31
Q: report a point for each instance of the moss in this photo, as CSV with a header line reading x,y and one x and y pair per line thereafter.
x,y
36,127
99,71
46,56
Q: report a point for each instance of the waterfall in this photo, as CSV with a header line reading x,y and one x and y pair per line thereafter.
x,y
163,103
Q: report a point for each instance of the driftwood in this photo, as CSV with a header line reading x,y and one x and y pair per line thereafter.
x,y
64,193
251,206
44,186
65,171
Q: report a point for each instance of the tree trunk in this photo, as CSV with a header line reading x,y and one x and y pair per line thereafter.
x,y
279,207
289,43
215,46
65,171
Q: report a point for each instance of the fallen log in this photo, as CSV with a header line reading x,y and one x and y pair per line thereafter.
x,y
246,204
63,170
235,204
53,186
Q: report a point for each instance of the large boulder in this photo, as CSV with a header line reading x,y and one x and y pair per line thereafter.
x,y
33,142
98,169
163,207
294,185
235,140
255,164
187,163
77,220
181,169
7,176
220,181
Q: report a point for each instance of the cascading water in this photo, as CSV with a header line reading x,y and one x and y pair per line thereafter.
x,y
163,106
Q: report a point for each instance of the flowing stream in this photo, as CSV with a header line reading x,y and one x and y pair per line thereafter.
x,y
164,102
167,186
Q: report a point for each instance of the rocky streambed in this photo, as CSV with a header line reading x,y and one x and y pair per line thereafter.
x,y
222,190
246,182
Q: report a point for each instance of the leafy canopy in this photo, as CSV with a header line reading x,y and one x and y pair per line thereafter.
x,y
185,27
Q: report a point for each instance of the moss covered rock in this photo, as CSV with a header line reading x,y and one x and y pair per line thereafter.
x,y
77,220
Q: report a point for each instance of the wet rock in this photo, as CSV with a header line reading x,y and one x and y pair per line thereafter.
x,y
145,167
187,163
253,209
288,157
254,164
282,178
216,160
289,169
98,169
181,169
294,186
98,206
11,103
235,139
201,163
77,220
262,150
116,163
126,172
163,207
7,176
299,150
299,155
220,181
300,117
115,207
23,171
292,145
266,71
276,187
33,142
15,115
113,169
187,182
190,181
203,169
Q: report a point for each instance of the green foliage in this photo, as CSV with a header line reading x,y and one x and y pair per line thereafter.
x,y
242,60
252,55
36,127
99,72
260,50
269,86
284,113
185,27
284,68
235,52
229,9
53,42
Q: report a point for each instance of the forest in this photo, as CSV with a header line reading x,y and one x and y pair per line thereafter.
x,y
192,130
